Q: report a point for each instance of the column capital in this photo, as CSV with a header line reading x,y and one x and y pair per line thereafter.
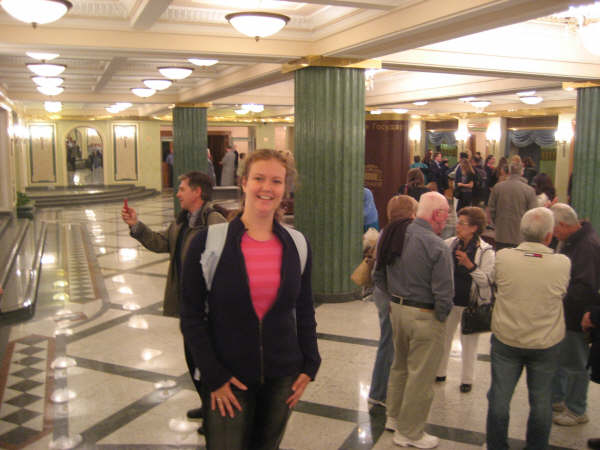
x,y
193,105
580,84
326,61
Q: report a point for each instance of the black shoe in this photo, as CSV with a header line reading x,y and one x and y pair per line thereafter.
x,y
201,430
195,413
440,379
464,388
594,443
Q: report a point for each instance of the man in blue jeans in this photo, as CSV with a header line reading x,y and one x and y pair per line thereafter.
x,y
580,242
527,328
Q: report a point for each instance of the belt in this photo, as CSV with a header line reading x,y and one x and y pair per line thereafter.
x,y
406,302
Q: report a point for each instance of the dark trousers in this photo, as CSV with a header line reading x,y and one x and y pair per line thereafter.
x,y
261,423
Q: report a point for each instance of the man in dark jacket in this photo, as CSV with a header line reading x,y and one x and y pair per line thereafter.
x,y
591,322
194,193
580,242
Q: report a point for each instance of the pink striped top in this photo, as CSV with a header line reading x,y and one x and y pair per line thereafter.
x,y
263,264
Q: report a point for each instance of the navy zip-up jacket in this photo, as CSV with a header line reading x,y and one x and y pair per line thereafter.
x,y
223,332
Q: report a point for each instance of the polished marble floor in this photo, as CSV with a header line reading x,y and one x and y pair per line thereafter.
x,y
100,307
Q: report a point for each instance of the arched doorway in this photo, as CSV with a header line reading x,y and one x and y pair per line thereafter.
x,y
84,152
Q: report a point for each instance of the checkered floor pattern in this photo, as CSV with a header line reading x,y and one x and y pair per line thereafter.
x,y
25,384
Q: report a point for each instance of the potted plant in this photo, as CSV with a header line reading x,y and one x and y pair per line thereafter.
x,y
25,206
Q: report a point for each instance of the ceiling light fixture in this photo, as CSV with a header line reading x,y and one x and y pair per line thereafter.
x,y
36,11
253,107
420,103
400,110
158,85
53,107
48,81
257,24
375,112
531,99
175,73
50,90
466,99
526,93
242,111
41,56
47,70
143,92
480,104
203,62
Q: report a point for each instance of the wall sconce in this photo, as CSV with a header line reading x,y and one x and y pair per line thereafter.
x,y
462,134
493,134
563,135
41,131
18,132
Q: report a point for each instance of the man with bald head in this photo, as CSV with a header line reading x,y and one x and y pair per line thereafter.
x,y
417,276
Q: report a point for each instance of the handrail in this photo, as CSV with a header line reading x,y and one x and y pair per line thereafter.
x,y
5,225
14,252
35,270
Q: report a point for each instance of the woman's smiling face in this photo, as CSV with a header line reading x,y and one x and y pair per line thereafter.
x,y
264,186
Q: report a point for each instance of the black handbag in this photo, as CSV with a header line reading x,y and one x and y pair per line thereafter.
x,y
477,318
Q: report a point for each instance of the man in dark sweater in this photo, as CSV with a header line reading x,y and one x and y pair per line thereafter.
x,y
580,242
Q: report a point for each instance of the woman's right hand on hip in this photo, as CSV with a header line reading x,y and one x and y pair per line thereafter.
x,y
224,398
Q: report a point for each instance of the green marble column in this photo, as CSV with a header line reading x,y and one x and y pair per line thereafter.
x,y
586,164
189,142
330,154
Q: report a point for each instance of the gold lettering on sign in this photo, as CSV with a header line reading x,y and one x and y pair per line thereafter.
x,y
373,176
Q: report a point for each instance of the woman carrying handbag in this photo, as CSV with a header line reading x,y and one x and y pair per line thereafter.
x,y
473,265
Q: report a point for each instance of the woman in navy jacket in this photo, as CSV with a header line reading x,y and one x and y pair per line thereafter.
x,y
256,355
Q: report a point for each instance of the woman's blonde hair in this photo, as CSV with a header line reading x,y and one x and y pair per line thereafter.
x,y
285,158
265,154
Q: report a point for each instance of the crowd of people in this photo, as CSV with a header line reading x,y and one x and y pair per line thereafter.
x,y
242,291
541,281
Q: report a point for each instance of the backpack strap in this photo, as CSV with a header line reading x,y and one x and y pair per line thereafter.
x,y
301,245
215,242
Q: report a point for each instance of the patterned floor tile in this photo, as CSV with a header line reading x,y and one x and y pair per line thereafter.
x,y
28,372
21,416
23,399
18,436
25,385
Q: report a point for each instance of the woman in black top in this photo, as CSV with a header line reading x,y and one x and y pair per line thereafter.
x,y
465,184
415,184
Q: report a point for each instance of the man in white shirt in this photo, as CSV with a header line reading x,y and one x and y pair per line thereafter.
x,y
527,327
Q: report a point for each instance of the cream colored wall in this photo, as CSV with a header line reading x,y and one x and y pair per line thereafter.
x,y
148,144
265,136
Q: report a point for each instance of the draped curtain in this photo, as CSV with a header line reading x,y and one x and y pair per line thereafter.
x,y
436,138
524,138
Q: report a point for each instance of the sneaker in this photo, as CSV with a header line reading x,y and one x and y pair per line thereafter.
x,y
558,407
426,441
568,418
440,379
372,401
390,424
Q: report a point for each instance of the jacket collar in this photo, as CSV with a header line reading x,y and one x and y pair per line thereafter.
x,y
537,247
585,229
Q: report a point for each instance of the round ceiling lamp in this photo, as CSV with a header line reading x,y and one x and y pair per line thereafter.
x,y
480,104
47,70
420,103
143,92
257,24
50,90
203,62
400,110
175,73
36,11
41,56
253,107
53,107
158,85
48,81
531,100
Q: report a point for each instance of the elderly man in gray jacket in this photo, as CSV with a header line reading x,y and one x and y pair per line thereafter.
x,y
508,201
417,273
